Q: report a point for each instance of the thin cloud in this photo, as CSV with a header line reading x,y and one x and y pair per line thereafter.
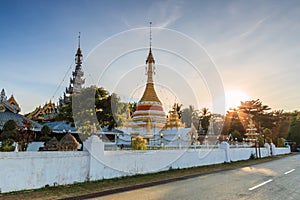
x,y
236,42
126,22
167,12
253,28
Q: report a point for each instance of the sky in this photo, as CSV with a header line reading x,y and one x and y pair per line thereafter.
x,y
249,49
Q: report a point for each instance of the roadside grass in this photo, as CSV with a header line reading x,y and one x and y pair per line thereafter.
x,y
78,189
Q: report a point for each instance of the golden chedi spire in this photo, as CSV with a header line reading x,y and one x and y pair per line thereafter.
x,y
149,93
149,116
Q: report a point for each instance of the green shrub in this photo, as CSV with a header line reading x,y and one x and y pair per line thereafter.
x,y
139,143
252,156
7,145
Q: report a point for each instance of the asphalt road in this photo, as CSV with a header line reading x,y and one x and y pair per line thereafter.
x,y
276,180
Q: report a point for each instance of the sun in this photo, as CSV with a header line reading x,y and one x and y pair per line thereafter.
x,y
234,97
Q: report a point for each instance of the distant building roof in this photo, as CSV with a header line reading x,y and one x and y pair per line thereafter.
x,y
60,127
5,116
46,113
105,129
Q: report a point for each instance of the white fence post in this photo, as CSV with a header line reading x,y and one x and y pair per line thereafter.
x,y
95,147
225,146
267,146
273,149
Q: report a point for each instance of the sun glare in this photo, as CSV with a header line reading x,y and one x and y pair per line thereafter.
x,y
234,97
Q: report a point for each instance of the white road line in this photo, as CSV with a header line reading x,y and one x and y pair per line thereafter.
x,y
260,184
289,171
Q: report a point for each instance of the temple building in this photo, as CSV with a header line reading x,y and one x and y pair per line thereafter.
x,y
44,113
149,116
151,122
9,110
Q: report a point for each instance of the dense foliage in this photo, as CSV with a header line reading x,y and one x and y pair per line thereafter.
x,y
294,131
45,133
94,108
9,135
274,126
26,135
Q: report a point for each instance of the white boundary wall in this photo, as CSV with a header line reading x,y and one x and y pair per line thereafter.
x,y
29,170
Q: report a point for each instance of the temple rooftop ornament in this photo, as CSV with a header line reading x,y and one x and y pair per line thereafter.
x,y
77,80
173,120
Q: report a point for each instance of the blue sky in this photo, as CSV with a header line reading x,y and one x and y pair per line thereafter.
x,y
254,45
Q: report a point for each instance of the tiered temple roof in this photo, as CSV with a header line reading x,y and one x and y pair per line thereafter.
x,y
43,114
14,103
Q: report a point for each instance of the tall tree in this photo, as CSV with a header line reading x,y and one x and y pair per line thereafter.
x,y
26,135
65,113
204,121
257,111
233,122
217,123
294,131
268,135
187,115
190,115
84,109
112,112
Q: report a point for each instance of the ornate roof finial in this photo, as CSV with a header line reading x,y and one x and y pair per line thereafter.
x,y
79,40
3,97
150,58
78,54
150,35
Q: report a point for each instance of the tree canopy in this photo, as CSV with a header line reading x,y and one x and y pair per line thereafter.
x,y
190,116
204,118
94,108
9,135
294,130
10,131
